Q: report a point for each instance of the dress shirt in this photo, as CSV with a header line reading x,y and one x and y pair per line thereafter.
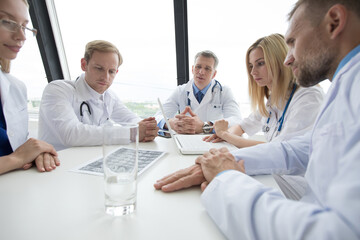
x,y
329,155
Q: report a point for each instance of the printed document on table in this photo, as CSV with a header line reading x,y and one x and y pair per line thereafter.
x,y
145,159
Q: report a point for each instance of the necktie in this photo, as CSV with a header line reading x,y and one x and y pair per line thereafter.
x,y
199,96
5,148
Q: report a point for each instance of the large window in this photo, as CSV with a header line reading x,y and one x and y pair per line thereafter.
x,y
144,33
228,28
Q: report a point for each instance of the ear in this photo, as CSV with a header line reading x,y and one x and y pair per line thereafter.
x,y
336,19
83,64
192,69
213,76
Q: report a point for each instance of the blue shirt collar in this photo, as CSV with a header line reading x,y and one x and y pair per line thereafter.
x,y
196,89
347,58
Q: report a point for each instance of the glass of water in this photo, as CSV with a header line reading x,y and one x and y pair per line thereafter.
x,y
120,159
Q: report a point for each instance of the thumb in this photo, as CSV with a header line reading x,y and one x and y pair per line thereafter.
x,y
186,110
191,112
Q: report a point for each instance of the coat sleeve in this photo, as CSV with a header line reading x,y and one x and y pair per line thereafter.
x,y
287,157
58,122
245,209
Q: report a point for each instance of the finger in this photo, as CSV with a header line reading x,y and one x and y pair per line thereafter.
x,y
209,138
181,183
186,110
213,151
169,178
51,160
40,163
151,132
224,150
191,112
47,162
149,119
27,166
57,160
216,140
199,160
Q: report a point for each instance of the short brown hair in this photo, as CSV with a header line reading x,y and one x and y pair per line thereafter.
x,y
316,9
101,46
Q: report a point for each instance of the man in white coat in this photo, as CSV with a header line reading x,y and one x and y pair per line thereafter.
x,y
72,112
324,41
201,101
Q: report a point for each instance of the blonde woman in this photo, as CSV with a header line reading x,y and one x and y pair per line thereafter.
x,y
15,150
290,110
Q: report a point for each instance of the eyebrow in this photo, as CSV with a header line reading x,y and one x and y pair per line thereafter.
x,y
257,60
12,16
205,65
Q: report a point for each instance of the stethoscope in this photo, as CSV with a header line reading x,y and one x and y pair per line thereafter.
x,y
212,91
266,127
81,108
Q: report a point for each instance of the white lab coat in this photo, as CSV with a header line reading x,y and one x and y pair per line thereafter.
x,y
245,209
215,105
60,123
14,103
299,117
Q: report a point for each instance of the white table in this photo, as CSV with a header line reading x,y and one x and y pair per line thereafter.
x,y
67,205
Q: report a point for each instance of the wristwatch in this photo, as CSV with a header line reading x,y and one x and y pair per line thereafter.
x,y
207,128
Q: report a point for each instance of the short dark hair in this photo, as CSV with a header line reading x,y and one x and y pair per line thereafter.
x,y
316,9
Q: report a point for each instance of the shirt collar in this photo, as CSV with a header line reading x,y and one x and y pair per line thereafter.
x,y
196,89
86,91
346,59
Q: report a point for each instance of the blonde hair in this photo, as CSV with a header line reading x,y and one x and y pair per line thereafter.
x,y
101,46
275,51
5,63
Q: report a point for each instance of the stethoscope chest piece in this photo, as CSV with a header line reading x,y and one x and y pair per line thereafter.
x,y
265,128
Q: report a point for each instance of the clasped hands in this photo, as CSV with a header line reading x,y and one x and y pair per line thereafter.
x,y
185,124
148,129
204,170
33,150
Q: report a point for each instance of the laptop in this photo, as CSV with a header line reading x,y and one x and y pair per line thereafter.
x,y
192,144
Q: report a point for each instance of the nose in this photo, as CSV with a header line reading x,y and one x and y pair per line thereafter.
x,y
20,34
253,71
289,59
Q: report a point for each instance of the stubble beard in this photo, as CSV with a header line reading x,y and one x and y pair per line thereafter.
x,y
316,66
